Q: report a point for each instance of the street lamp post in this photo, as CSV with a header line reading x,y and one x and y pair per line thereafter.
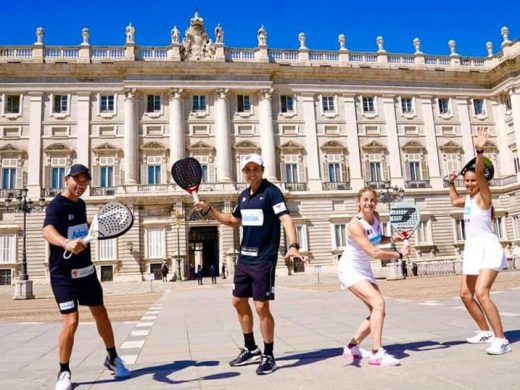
x,y
178,226
390,195
23,286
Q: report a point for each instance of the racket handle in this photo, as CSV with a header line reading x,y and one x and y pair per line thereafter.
x,y
195,197
405,242
67,254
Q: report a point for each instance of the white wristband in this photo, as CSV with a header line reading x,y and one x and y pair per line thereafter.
x,y
65,243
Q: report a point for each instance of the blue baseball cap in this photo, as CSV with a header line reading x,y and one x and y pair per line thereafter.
x,y
78,169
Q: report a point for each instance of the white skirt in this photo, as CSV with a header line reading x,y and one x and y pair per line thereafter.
x,y
350,273
483,252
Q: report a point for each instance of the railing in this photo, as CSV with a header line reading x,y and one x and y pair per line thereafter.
x,y
235,54
108,53
152,53
159,188
50,192
7,194
65,53
336,185
497,182
102,191
437,60
20,52
294,186
362,57
417,184
378,185
401,58
324,56
276,55
435,267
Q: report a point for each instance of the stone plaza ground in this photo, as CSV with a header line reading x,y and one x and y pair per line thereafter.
x,y
184,335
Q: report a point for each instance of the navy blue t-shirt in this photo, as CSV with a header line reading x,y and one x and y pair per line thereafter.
x,y
69,218
260,214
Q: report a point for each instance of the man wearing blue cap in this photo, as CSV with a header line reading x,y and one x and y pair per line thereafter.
x,y
74,281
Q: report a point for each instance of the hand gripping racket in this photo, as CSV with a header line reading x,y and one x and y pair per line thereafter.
x,y
112,220
187,173
405,217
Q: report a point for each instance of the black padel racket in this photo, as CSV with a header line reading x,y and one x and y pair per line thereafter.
x,y
187,173
489,170
405,217
112,220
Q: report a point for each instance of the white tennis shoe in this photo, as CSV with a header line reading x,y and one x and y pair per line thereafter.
x,y
63,382
499,346
382,358
356,352
481,337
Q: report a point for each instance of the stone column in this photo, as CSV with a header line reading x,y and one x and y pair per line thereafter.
x,y
396,169
267,134
177,135
465,126
83,128
514,95
131,147
35,142
505,157
354,153
434,167
311,142
223,140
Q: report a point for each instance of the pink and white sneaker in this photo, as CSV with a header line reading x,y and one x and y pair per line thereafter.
x,y
382,358
356,352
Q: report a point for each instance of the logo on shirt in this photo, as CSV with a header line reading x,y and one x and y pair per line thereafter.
x,y
77,231
279,207
71,217
252,217
244,199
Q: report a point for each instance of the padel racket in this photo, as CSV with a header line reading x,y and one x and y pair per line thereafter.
x,y
187,173
405,217
112,220
489,170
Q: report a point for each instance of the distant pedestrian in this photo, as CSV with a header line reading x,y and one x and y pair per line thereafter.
x,y
213,274
199,274
224,271
164,271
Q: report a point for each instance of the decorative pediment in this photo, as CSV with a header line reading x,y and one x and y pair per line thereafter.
x,y
490,147
58,148
451,147
291,146
153,147
11,150
246,146
373,146
333,146
107,148
201,147
413,146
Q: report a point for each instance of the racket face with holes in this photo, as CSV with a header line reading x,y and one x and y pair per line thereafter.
x,y
113,220
187,173
405,217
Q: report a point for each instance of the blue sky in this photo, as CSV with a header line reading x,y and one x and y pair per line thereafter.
x,y
470,23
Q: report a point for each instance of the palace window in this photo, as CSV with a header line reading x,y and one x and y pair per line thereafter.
x,y
460,232
339,235
155,248
106,104
301,237
507,102
327,104
153,103
243,103
444,106
9,173
154,169
61,104
199,103
12,104
106,172
407,105
451,162
107,249
58,166
368,105
8,248
287,103
479,107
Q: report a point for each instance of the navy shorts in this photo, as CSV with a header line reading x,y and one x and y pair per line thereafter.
x,y
254,280
70,292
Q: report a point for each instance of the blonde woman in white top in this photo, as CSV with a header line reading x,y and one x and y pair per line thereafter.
x,y
364,234
484,256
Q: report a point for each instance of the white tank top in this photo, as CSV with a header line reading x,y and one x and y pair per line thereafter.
x,y
476,221
353,252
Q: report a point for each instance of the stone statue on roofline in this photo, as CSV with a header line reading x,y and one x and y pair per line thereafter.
x,y
130,33
219,34
175,35
262,36
196,46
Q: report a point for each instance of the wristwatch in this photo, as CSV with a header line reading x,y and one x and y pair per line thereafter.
x,y
294,245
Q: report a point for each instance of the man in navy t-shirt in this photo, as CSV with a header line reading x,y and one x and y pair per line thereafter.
x,y
261,209
74,280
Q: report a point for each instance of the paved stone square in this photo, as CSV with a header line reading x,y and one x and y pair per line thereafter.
x,y
187,335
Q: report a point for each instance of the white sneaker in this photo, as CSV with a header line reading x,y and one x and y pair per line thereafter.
x,y
499,346
356,352
63,382
382,358
118,368
481,337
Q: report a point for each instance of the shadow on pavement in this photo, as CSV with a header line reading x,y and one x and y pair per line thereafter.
x,y
398,350
310,357
161,373
513,335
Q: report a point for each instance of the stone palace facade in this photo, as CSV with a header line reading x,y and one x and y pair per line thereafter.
x,y
327,123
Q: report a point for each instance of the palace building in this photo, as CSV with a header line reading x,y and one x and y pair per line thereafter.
x,y
327,124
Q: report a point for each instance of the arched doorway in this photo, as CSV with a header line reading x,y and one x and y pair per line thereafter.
x,y
204,248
